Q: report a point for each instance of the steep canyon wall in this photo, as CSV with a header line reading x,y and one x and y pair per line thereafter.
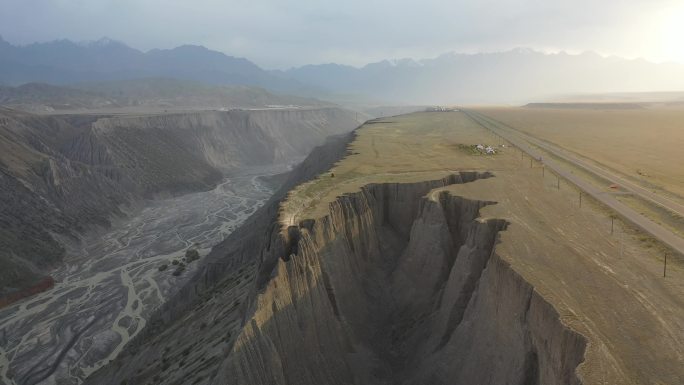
x,y
398,284
62,174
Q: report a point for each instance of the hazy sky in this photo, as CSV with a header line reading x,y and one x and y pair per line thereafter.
x,y
284,33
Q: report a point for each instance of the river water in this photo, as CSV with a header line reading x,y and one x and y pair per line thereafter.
x,y
107,288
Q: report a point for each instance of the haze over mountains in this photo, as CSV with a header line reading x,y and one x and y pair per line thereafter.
x,y
515,76
67,62
518,76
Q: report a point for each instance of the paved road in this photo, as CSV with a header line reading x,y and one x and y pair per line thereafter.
x,y
664,235
594,169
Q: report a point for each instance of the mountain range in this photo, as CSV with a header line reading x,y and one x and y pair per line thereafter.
x,y
515,76
63,62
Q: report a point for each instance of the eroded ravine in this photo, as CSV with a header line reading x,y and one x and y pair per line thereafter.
x,y
393,287
108,288
370,276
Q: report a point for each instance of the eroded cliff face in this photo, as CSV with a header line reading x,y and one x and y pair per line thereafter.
x,y
221,139
61,175
186,340
398,284
393,287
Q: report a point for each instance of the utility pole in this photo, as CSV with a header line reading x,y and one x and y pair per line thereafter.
x,y
665,266
580,199
558,182
530,162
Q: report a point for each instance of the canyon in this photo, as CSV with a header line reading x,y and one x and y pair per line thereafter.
x,y
341,193
61,174
390,255
393,256
117,212
393,288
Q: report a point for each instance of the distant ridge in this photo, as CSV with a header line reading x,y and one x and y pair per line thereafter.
x,y
159,93
587,106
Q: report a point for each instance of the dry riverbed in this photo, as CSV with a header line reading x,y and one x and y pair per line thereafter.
x,y
109,285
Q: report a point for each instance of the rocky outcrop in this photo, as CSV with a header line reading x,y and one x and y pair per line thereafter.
x,y
60,175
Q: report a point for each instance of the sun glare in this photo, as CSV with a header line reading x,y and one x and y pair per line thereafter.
x,y
673,34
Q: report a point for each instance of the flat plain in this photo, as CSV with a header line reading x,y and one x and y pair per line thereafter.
x,y
645,144
606,286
